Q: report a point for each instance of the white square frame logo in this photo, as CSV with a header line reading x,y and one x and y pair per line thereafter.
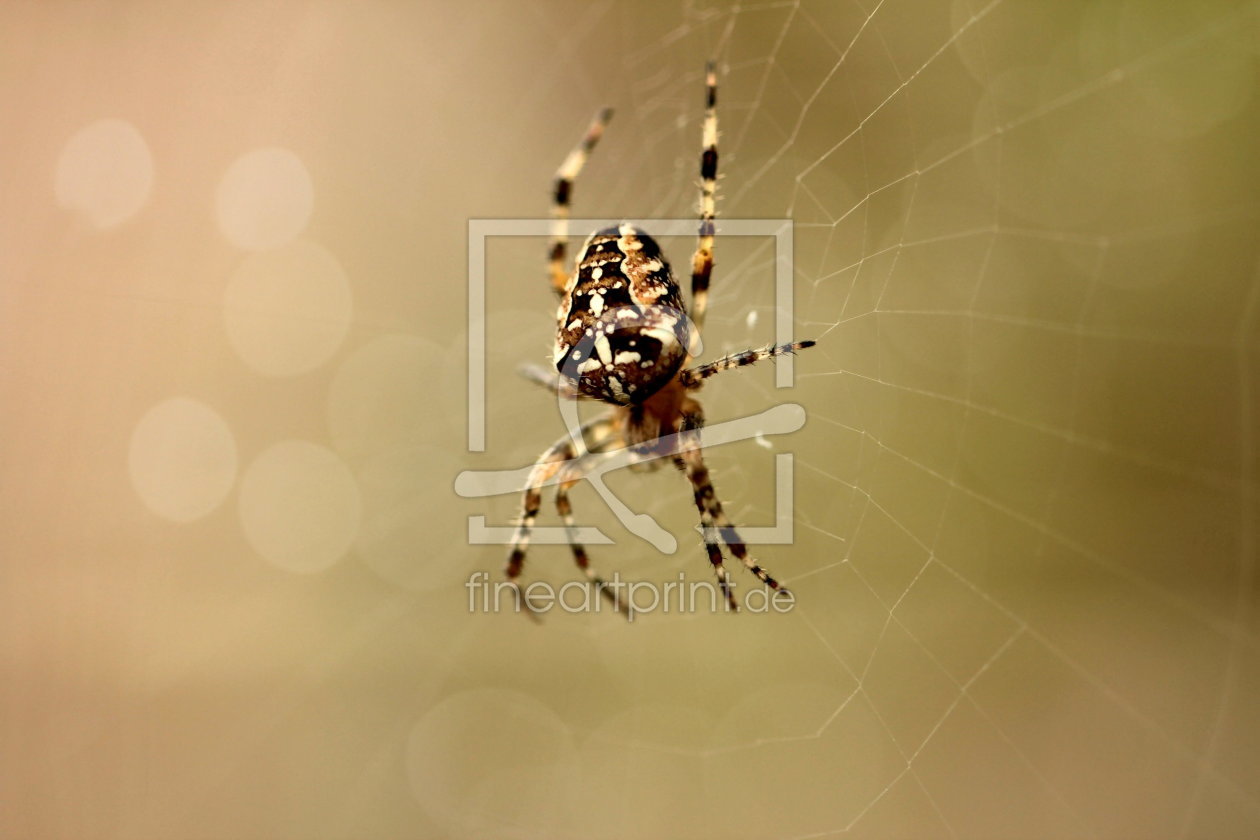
x,y
782,418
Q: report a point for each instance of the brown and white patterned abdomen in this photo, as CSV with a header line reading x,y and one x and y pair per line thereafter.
x,y
623,327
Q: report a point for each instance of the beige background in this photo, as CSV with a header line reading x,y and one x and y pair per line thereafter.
x,y
232,303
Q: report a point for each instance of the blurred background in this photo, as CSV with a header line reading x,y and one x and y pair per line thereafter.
x,y
233,297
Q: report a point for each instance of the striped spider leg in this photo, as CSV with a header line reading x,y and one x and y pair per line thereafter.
x,y
562,462
713,520
565,176
702,260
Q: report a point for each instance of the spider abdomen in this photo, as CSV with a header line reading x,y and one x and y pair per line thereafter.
x,y
623,326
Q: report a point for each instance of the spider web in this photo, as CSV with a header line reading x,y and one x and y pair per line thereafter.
x,y
1025,502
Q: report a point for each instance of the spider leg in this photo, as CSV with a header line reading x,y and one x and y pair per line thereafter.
x,y
702,260
688,460
565,509
551,382
693,377
711,545
560,455
565,176
707,501
548,465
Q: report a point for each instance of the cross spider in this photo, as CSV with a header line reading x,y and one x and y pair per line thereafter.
x,y
623,338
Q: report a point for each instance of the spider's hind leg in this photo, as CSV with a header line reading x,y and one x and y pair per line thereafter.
x,y
563,193
702,259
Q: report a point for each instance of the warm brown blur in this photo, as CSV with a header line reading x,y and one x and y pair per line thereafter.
x,y
233,298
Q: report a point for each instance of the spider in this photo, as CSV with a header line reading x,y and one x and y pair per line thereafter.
x,y
624,338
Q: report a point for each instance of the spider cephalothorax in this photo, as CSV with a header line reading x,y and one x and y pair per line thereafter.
x,y
624,338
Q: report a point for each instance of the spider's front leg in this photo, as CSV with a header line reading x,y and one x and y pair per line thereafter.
x,y
565,509
711,546
560,459
713,519
547,465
